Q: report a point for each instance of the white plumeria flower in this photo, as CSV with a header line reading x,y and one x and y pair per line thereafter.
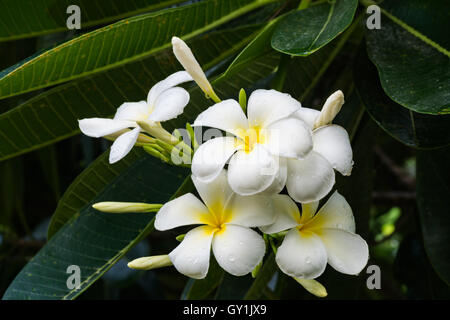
x,y
259,145
312,178
226,219
313,240
165,101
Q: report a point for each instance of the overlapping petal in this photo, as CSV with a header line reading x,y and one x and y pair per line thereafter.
x,y
287,215
253,172
191,256
171,81
216,193
347,252
226,115
307,115
309,179
133,111
238,250
335,213
289,138
267,106
211,156
333,143
123,144
302,255
100,127
250,211
169,104
184,210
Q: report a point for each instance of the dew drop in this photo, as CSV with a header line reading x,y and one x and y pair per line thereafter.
x,y
231,258
308,260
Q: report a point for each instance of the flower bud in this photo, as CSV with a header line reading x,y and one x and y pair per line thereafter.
x,y
149,263
123,207
185,56
312,286
330,109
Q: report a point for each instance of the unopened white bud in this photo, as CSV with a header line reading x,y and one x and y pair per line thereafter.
x,y
152,262
123,207
185,56
312,286
330,109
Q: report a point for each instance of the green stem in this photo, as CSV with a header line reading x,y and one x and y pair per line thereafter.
x,y
303,4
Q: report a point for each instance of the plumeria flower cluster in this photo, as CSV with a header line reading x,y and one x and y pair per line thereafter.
x,y
269,144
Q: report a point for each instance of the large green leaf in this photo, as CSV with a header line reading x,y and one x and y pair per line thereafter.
x,y
94,241
412,53
409,127
433,190
305,31
122,42
30,18
52,115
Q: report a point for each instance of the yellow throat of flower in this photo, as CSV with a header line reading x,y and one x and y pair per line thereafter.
x,y
251,137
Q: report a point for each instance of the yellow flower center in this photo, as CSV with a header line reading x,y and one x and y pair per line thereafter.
x,y
251,137
217,218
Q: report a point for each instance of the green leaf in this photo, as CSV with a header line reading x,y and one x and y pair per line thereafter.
x,y
306,31
53,115
201,289
411,128
433,189
93,240
28,18
86,187
304,73
122,42
411,52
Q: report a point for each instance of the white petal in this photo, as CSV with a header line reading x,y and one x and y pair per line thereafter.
x,y
211,156
289,138
123,144
251,173
302,255
133,111
280,180
268,106
170,104
347,252
238,250
215,193
308,115
250,211
169,82
191,257
99,127
333,143
287,215
182,211
308,211
226,115
309,179
335,213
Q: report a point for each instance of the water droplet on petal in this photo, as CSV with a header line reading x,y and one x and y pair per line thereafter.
x,y
308,260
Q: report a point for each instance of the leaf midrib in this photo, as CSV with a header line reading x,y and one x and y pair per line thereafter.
x,y
409,29
255,4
